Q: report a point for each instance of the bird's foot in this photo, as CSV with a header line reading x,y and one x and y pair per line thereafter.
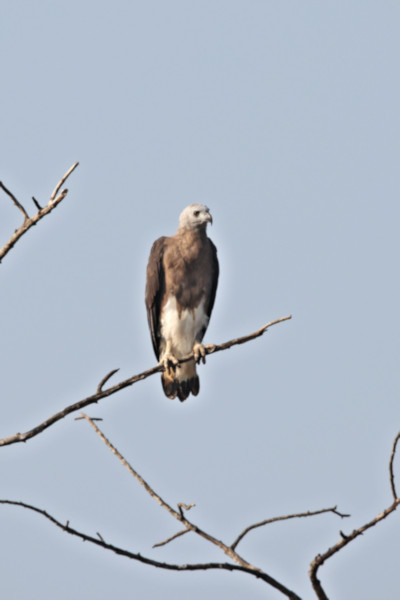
x,y
169,362
199,353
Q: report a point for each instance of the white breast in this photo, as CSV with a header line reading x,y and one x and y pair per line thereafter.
x,y
182,329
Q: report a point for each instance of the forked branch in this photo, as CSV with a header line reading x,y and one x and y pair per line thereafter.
x,y
319,560
28,222
177,514
239,563
99,541
104,393
189,526
309,513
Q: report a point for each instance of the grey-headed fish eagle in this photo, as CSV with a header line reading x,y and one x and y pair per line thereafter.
x,y
182,278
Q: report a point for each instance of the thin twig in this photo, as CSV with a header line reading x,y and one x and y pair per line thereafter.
x,y
212,349
53,197
13,198
42,212
143,559
391,471
173,537
36,203
182,506
285,518
105,379
188,524
23,437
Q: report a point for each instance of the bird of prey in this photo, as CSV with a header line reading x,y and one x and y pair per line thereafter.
x,y
182,278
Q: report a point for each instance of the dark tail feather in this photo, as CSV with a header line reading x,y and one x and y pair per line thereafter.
x,y
191,385
173,388
170,385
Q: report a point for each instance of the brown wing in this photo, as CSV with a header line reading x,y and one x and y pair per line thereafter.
x,y
215,274
155,288
214,269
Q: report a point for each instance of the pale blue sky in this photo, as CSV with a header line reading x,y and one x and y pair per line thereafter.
x,y
283,117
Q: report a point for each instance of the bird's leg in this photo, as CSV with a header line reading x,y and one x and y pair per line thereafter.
x,y
168,360
199,353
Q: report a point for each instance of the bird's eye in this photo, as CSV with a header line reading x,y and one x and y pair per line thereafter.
x,y
196,213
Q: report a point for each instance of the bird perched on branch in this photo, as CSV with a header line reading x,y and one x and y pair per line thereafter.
x,y
182,278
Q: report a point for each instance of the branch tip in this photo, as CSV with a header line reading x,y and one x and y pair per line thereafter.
x,y
15,201
61,182
41,212
170,539
308,513
391,469
36,203
105,379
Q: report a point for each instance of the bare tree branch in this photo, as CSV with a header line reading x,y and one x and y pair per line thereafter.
x,y
391,472
105,379
42,212
13,198
319,560
143,559
63,179
100,537
180,516
212,349
99,395
182,506
173,537
36,203
285,518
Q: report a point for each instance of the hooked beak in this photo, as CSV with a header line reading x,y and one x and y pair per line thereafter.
x,y
209,218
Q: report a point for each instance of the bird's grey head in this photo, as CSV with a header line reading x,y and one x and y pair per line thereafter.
x,y
195,216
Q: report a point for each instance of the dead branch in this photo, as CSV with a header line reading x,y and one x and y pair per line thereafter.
x,y
182,506
42,212
189,525
333,510
319,560
13,198
63,179
391,472
36,203
105,379
104,393
143,559
173,537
